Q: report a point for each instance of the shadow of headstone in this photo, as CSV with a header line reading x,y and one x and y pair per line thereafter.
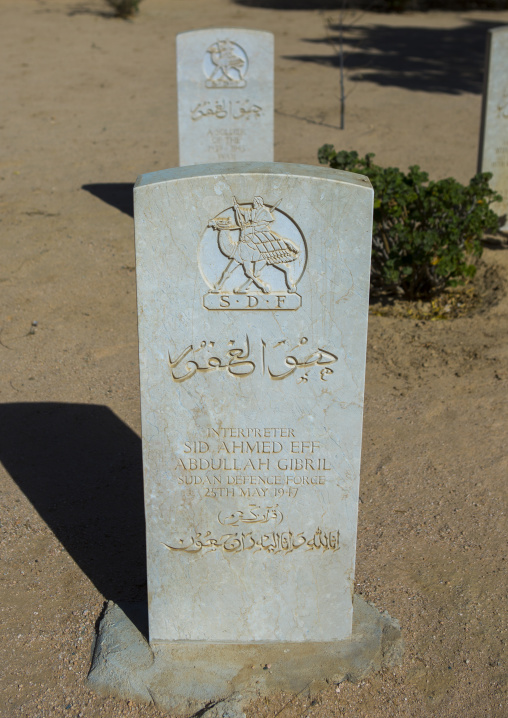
x,y
81,468
117,194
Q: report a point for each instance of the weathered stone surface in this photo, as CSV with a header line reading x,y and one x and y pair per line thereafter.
x,y
253,284
225,95
183,678
494,135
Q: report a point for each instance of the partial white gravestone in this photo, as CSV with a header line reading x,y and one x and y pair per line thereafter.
x,y
225,95
253,285
494,134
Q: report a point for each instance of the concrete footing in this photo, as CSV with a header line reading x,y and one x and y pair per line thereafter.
x,y
218,680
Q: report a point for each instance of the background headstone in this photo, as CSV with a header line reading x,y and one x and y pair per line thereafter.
x,y
494,133
225,95
252,304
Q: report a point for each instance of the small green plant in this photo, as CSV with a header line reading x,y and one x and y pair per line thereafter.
x,y
427,235
124,8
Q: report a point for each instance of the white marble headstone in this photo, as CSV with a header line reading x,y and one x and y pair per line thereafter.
x,y
253,283
225,95
494,135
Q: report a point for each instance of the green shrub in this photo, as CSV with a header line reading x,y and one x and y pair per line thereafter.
x,y
124,8
426,235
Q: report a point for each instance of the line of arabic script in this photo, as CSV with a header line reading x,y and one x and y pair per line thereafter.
x,y
253,515
237,361
237,110
274,543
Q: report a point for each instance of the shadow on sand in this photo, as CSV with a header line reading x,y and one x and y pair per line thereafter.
x,y
448,60
81,468
117,194
296,4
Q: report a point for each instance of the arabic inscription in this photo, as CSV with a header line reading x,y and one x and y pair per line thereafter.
x,y
237,361
253,515
221,109
273,543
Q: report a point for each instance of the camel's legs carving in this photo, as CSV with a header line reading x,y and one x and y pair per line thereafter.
x,y
288,275
243,287
250,270
226,273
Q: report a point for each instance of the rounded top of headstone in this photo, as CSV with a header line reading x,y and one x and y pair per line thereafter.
x,y
207,30
267,168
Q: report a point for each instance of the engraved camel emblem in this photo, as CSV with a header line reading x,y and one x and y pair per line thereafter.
x,y
226,60
256,247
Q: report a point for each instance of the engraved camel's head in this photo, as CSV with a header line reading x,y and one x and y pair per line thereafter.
x,y
227,242
217,50
220,223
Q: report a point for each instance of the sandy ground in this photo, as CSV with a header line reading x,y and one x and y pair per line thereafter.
x,y
87,104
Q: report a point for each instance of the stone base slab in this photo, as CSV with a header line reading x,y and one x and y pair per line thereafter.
x,y
217,680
